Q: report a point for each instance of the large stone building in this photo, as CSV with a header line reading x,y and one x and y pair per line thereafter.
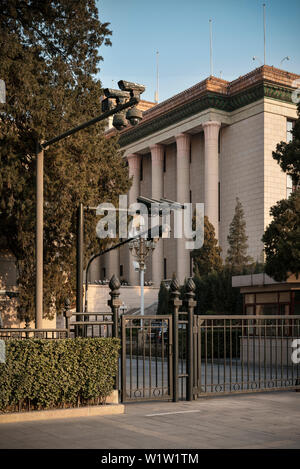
x,y
211,143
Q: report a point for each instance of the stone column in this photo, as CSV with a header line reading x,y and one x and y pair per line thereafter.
x,y
211,172
134,165
157,178
183,196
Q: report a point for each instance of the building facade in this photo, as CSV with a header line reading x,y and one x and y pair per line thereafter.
x,y
210,144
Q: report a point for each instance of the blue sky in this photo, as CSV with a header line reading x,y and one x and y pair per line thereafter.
x,y
179,30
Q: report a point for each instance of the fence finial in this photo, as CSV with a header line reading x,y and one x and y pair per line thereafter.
x,y
114,283
174,286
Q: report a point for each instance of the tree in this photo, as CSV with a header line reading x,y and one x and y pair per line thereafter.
x,y
282,239
164,306
215,294
237,257
207,259
287,155
49,55
282,236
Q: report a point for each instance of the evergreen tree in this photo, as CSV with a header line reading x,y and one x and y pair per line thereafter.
x,y
49,56
237,257
282,239
207,259
164,306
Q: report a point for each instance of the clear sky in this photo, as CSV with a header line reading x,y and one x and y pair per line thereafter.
x,y
179,30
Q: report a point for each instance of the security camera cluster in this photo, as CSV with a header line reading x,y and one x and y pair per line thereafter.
x,y
127,91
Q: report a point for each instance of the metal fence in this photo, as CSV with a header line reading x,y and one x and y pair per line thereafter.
x,y
146,368
185,356
28,333
245,354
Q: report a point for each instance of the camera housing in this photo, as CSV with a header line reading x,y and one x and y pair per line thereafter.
x,y
116,94
134,115
133,88
120,121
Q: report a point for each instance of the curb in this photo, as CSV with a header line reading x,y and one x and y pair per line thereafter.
x,y
57,414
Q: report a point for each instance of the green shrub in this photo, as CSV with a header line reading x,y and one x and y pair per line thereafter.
x,y
43,374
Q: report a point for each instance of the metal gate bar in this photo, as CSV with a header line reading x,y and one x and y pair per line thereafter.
x,y
146,362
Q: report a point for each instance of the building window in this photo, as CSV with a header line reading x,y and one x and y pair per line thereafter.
x,y
289,185
289,130
165,162
190,197
141,170
103,273
121,270
165,268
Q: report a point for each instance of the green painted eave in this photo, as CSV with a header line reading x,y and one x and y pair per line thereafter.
x,y
210,100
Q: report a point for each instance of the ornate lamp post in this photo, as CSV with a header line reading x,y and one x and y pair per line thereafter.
x,y
140,248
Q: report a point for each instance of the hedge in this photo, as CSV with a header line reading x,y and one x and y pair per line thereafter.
x,y
43,374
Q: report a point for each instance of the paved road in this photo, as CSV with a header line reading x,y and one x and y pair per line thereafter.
x,y
267,420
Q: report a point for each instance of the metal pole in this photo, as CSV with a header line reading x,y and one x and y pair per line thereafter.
x,y
264,8
39,236
210,37
79,260
142,291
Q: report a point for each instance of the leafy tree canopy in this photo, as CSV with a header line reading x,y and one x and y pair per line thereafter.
x,y
49,56
282,239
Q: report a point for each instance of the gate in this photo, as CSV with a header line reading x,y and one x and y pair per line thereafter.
x,y
146,361
244,354
186,356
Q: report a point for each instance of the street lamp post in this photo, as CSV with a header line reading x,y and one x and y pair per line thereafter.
x,y
126,98
140,248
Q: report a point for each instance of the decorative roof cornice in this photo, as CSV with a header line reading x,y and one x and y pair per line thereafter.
x,y
213,93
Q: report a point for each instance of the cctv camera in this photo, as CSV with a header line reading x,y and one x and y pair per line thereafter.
x,y
107,104
129,86
134,115
117,94
119,121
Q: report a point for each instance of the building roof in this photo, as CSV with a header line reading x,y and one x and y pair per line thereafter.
x,y
213,92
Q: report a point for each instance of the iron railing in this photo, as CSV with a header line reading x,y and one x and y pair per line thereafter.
x,y
146,369
28,333
244,354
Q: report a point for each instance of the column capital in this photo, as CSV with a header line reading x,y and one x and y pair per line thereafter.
x,y
157,152
183,142
134,161
211,128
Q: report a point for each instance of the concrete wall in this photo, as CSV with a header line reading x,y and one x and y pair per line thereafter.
x,y
98,295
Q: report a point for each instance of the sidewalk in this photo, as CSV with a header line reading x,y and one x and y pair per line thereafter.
x,y
262,420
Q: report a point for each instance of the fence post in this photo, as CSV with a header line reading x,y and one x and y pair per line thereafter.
x,y
190,303
114,303
176,303
67,314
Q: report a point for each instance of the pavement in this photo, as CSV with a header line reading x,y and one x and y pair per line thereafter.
x,y
261,420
